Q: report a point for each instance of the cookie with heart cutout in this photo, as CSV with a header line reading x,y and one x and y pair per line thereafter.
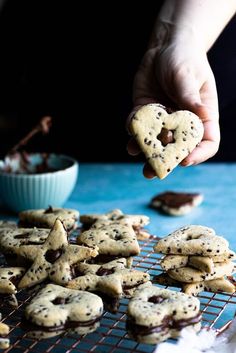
x,y
193,240
156,314
165,139
55,310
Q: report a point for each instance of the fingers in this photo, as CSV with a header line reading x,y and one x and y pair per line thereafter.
x,y
208,147
148,172
208,113
132,147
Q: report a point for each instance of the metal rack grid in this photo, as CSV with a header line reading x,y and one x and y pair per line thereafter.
x,y
111,336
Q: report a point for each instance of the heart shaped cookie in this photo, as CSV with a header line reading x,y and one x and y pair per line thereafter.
x,y
155,314
165,139
55,310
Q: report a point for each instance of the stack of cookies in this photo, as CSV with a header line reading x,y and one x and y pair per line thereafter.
x,y
196,259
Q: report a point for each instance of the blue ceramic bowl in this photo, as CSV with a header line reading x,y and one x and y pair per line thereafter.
x,y
22,191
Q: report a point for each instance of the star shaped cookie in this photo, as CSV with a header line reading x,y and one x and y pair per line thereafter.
x,y
53,259
112,278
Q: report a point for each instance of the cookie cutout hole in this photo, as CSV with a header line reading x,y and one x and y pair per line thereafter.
x,y
105,271
21,236
166,136
156,299
52,255
59,301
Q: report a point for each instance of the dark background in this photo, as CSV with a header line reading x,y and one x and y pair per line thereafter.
x,y
76,61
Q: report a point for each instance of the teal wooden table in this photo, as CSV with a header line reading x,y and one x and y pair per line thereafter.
x,y
103,187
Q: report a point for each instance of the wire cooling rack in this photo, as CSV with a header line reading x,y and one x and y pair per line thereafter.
x,y
111,336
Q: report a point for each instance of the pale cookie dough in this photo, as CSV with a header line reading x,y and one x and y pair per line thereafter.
x,y
4,331
156,314
112,278
215,285
46,218
204,263
170,262
165,139
112,238
176,203
190,275
54,259
136,221
11,239
55,310
9,279
193,240
7,224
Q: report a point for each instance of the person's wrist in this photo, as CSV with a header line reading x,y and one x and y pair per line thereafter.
x,y
167,33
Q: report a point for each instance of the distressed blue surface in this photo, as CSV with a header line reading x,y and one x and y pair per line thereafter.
x,y
103,187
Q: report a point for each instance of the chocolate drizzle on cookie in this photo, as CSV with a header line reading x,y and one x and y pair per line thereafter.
x,y
167,324
175,199
27,324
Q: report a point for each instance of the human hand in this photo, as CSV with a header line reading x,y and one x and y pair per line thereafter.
x,y
178,75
